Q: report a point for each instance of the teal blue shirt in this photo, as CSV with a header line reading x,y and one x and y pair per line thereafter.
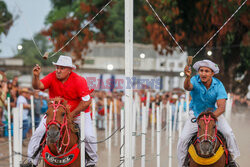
x,y
203,98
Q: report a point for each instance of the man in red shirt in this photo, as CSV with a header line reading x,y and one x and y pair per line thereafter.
x,y
63,82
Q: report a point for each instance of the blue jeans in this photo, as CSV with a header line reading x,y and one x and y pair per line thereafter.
x,y
26,128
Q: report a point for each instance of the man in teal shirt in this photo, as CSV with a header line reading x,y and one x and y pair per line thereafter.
x,y
206,92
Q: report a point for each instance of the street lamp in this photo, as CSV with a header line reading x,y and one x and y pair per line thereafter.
x,y
209,53
142,55
182,74
19,47
110,67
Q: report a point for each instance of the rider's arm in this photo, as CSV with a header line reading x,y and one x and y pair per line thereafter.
x,y
221,103
84,93
187,83
36,83
82,106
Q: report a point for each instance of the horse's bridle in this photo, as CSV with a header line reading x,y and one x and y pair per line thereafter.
x,y
207,121
208,138
59,125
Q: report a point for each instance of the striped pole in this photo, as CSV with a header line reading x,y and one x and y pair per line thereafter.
x,y
110,124
82,139
115,125
16,139
158,128
143,136
106,120
32,114
122,153
9,131
153,127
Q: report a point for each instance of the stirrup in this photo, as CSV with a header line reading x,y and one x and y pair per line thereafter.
x,y
28,164
232,164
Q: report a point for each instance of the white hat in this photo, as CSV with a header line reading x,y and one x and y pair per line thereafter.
x,y
65,61
206,63
175,96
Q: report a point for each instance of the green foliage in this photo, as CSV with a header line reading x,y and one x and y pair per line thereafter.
x,y
6,19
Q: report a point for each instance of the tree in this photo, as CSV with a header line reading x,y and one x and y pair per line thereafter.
x,y
29,53
68,17
6,19
193,22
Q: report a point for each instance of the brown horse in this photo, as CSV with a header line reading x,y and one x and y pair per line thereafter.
x,y
209,147
61,141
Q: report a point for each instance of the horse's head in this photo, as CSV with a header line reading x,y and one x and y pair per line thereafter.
x,y
56,119
207,132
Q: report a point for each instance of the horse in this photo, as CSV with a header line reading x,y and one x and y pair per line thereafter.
x,y
208,147
60,144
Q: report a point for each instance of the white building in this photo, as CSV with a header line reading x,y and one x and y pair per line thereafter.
x,y
108,55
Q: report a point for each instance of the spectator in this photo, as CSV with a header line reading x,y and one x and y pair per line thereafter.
x,y
44,107
37,107
22,99
3,92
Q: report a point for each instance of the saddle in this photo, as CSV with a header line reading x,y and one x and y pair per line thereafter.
x,y
221,150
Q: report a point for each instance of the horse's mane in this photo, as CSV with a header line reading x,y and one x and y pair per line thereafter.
x,y
71,123
207,112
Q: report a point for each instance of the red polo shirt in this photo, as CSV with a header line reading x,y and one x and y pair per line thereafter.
x,y
72,90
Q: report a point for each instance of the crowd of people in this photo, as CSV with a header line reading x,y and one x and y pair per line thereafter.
x,y
18,95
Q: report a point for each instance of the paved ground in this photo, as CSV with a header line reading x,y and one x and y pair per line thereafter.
x,y
240,123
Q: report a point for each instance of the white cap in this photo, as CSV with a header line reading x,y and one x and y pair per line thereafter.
x,y
65,61
206,63
175,96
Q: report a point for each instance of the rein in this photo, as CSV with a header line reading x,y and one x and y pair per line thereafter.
x,y
60,126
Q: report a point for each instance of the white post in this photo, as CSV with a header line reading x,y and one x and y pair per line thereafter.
x,y
167,121
228,108
138,110
115,117
122,138
82,138
143,136
129,11
16,140
21,130
106,120
170,138
175,118
158,126
94,119
133,133
9,131
187,104
110,124
32,114
147,109
153,127
180,117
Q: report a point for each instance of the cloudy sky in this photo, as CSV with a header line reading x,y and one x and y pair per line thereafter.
x,y
31,19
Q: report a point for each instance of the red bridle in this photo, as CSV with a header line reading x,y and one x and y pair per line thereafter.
x,y
59,125
207,121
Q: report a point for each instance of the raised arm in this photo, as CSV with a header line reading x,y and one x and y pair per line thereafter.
x,y
187,84
36,83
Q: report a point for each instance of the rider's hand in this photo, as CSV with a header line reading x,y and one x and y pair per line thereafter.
x,y
188,71
36,70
